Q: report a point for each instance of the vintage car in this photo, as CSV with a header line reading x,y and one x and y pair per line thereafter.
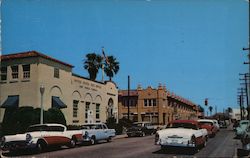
x,y
40,136
182,133
216,123
240,130
223,124
209,125
95,132
245,140
141,129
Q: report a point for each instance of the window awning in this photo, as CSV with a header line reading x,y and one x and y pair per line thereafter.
x,y
11,102
57,103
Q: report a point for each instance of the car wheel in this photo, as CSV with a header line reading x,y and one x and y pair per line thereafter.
x,y
143,134
40,147
72,143
205,143
92,140
109,139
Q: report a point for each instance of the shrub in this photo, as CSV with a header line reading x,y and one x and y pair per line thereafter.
x,y
19,119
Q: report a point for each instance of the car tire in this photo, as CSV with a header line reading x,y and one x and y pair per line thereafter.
x,y
92,140
40,146
205,143
72,143
109,139
143,134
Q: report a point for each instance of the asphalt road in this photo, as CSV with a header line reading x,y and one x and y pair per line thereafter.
x,y
223,145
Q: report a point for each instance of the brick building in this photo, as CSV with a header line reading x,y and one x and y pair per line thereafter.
x,y
158,106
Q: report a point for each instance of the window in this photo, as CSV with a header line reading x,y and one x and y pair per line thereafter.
x,y
56,73
14,70
145,102
3,73
154,102
75,107
97,113
86,110
150,102
26,71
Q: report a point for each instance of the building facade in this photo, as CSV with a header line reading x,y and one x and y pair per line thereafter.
x,y
158,106
80,99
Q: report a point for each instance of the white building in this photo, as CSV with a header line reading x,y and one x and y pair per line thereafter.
x,y
80,99
235,114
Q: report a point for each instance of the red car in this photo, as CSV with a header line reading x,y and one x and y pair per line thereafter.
x,y
209,125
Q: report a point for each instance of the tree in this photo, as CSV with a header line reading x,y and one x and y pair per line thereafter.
x,y
92,64
210,108
201,109
111,67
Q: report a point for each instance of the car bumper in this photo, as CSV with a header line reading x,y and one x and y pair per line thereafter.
x,y
166,145
17,145
135,133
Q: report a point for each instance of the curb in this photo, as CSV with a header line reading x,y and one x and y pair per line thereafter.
x,y
120,136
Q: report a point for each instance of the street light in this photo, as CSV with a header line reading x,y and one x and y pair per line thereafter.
x,y
42,89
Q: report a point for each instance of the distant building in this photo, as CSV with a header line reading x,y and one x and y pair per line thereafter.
x,y
234,114
80,99
158,106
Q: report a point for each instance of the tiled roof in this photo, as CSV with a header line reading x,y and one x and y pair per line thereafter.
x,y
179,98
125,93
30,54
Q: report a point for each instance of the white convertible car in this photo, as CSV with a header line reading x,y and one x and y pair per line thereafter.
x,y
41,136
182,133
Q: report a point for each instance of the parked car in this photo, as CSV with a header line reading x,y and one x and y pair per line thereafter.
x,y
209,125
223,124
236,124
216,123
245,140
240,130
141,129
95,132
182,133
40,137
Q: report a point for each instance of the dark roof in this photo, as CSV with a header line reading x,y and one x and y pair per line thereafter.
x,y
31,54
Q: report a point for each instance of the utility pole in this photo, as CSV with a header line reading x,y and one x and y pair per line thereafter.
x,y
128,94
241,101
246,79
248,49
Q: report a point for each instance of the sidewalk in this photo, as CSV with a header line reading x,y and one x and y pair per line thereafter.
x,y
120,136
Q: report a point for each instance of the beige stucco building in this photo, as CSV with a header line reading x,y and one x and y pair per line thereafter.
x,y
80,99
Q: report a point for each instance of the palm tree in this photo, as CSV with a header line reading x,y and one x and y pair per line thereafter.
x,y
92,63
210,108
111,66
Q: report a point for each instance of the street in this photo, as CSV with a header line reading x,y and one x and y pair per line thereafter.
x,y
223,145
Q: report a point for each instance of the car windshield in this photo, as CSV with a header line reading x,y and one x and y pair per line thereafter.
x,y
91,126
182,125
244,123
137,124
45,128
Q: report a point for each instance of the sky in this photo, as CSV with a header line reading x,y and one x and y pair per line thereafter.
x,y
194,47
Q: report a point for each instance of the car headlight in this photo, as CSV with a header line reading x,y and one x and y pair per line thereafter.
x,y
28,137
